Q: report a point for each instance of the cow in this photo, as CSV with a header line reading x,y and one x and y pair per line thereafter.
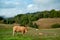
x,y
19,29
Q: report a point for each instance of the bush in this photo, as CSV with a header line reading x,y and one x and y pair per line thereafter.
x,y
33,25
55,26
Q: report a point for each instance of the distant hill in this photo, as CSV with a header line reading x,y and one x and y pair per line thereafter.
x,y
47,22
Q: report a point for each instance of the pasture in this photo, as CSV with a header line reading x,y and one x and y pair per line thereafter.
x,y
32,34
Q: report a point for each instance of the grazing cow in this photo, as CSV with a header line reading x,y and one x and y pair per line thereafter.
x,y
19,29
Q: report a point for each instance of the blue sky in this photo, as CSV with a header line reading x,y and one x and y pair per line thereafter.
x,y
10,8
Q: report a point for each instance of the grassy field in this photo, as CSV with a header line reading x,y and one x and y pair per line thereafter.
x,y
32,34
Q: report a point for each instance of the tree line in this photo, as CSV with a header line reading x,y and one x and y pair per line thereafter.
x,y
28,18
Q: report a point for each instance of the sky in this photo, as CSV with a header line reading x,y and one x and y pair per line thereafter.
x,y
10,8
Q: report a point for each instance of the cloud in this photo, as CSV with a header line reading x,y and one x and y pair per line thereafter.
x,y
42,1
13,7
32,7
47,4
11,2
10,12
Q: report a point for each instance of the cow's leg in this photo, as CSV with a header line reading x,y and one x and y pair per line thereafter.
x,y
22,32
25,30
13,32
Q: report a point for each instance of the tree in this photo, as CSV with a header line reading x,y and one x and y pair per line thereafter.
x,y
1,18
9,21
53,13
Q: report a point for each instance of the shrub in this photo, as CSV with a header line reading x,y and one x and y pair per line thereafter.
x,y
33,25
55,26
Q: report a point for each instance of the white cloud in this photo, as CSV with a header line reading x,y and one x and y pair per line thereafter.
x,y
42,1
10,12
46,4
11,2
32,7
14,7
40,5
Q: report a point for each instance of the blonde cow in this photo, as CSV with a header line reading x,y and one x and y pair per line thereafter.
x,y
19,29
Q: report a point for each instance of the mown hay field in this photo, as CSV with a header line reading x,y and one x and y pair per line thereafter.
x,y
45,23
32,34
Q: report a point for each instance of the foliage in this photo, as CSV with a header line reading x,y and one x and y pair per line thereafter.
x,y
9,21
1,18
28,18
33,25
55,26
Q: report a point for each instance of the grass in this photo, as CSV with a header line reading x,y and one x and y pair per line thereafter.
x,y
32,34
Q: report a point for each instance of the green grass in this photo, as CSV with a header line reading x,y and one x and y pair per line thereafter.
x,y
32,34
